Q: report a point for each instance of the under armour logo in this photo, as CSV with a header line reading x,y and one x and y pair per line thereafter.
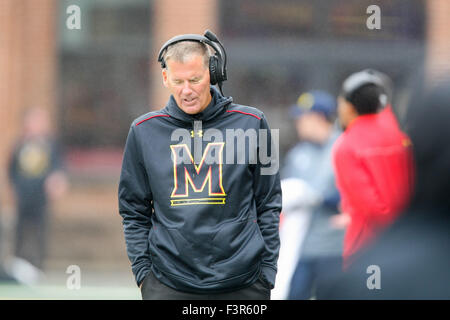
x,y
199,133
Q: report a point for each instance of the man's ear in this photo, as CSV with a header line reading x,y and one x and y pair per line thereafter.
x,y
352,109
165,77
346,106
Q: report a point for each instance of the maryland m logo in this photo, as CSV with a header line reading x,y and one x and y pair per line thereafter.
x,y
191,179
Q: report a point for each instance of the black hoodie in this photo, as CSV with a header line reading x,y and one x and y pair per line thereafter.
x,y
208,224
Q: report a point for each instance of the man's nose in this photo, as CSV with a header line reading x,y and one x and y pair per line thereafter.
x,y
187,88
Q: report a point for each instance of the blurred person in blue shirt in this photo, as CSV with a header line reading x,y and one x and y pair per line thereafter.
x,y
310,162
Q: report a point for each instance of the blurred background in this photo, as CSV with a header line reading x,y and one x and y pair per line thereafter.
x,y
94,81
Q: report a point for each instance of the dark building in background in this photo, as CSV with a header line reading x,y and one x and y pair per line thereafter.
x,y
103,72
276,50
279,49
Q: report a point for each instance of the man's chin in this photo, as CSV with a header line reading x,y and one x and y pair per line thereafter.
x,y
191,109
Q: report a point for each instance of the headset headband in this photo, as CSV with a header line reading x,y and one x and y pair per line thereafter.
x,y
362,78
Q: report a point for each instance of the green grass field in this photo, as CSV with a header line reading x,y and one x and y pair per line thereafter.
x,y
51,292
93,285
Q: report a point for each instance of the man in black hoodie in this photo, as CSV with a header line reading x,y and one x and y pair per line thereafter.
x,y
199,191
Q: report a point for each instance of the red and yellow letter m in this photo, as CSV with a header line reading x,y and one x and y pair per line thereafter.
x,y
190,179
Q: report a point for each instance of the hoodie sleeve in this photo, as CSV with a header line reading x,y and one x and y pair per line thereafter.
x,y
135,207
267,189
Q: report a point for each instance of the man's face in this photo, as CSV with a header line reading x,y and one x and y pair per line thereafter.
x,y
313,126
188,82
37,123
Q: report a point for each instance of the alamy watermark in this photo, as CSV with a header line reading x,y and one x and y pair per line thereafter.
x,y
250,146
73,21
73,281
373,22
374,280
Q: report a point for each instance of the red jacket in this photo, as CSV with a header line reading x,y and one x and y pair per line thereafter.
x,y
373,165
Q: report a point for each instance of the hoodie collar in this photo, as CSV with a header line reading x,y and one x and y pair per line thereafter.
x,y
215,107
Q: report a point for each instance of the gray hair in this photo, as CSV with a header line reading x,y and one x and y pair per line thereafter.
x,y
184,50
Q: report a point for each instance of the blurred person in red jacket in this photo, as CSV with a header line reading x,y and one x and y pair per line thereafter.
x,y
410,259
372,160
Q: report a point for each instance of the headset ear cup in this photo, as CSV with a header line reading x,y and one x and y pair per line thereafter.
x,y
213,70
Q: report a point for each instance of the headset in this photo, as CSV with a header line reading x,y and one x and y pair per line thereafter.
x,y
217,62
365,77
